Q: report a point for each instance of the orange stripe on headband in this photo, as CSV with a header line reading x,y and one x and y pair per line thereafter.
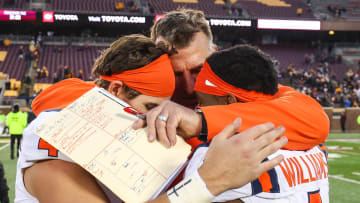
x,y
208,82
155,79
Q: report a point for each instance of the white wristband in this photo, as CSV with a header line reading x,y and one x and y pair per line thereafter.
x,y
191,189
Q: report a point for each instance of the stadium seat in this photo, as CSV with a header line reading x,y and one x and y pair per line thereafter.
x,y
3,55
14,84
41,86
3,76
222,2
11,93
11,61
276,3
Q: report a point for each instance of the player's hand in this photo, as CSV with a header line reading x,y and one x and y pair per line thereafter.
x,y
234,160
177,119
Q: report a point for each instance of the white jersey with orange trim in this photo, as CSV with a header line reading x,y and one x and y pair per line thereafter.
x,y
301,177
34,149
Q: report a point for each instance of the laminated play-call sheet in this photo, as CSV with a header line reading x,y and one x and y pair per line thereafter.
x,y
95,132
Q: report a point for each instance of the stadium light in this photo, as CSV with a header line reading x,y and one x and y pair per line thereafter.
x,y
288,24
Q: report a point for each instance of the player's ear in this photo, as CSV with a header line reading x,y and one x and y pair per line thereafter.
x,y
116,88
230,98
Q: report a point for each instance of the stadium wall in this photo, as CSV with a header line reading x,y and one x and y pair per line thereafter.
x,y
351,115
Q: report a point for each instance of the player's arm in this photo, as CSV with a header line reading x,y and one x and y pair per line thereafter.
x,y
231,162
58,181
188,124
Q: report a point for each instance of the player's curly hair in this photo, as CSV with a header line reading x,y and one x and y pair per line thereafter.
x,y
245,67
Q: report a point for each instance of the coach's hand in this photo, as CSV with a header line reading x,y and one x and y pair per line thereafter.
x,y
174,119
234,160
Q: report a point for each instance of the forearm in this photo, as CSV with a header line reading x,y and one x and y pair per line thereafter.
x,y
190,189
191,125
60,181
198,187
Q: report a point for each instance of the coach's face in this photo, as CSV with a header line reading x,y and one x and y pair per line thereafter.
x,y
187,63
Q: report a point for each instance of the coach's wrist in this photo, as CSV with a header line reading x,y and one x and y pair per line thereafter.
x,y
190,125
191,189
214,184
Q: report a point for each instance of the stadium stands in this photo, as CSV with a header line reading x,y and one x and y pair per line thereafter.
x,y
159,6
55,62
294,54
258,8
336,9
12,65
83,5
288,54
209,7
75,57
293,68
101,6
276,8
213,8
353,9
17,4
325,9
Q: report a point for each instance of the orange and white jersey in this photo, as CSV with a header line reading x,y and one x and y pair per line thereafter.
x,y
34,149
301,177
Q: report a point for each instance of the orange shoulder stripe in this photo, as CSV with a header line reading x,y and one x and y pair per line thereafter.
x,y
61,94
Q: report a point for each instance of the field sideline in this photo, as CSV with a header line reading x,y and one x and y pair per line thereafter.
x,y
344,167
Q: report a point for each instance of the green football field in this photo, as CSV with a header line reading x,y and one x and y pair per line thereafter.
x,y
344,167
